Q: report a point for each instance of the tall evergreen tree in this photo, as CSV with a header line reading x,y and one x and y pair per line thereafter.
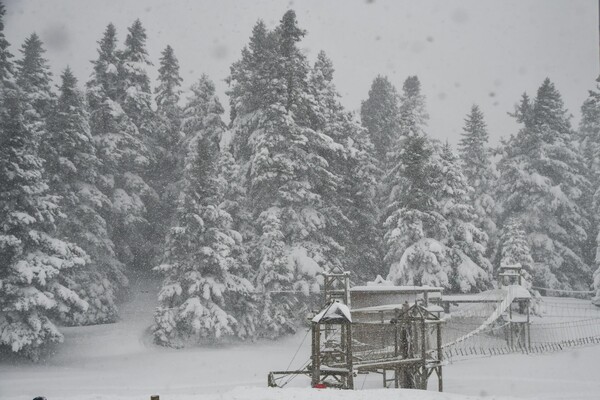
x,y
34,260
589,146
125,158
204,294
476,159
34,78
380,115
105,80
135,93
167,168
413,115
135,97
6,66
414,229
411,124
430,236
349,195
283,148
466,243
542,185
72,169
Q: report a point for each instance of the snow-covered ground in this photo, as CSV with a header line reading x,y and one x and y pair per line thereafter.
x,y
119,362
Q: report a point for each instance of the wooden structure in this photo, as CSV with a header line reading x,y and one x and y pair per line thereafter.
x,y
518,329
336,286
510,275
518,332
392,330
332,357
410,349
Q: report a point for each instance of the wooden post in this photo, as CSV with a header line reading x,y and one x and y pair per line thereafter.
x,y
347,288
510,324
415,335
316,351
423,357
384,378
440,357
528,325
350,379
396,353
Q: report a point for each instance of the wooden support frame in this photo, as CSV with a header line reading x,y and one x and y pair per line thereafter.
x,y
406,342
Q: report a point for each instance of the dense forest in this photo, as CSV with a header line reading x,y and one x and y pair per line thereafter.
x,y
120,176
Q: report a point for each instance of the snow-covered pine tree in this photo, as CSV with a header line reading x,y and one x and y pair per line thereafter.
x,y
542,185
135,97
412,120
413,115
415,230
274,278
169,114
477,166
72,169
34,79
380,115
124,155
234,198
6,66
365,253
276,146
34,261
252,88
589,146
204,294
167,167
466,243
430,236
104,81
348,196
135,93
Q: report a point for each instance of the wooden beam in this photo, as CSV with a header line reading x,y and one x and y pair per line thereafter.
x,y
350,379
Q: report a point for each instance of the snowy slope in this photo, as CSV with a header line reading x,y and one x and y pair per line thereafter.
x,y
119,362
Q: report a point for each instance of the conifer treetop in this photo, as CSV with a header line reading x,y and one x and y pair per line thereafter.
x,y
168,90
6,68
135,43
33,72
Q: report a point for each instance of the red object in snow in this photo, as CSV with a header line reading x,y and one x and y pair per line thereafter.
x,y
320,386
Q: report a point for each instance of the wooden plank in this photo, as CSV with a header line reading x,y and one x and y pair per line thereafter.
x,y
389,363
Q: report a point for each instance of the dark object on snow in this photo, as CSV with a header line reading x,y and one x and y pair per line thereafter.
x,y
40,398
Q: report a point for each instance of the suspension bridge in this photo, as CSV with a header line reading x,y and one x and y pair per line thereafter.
x,y
496,324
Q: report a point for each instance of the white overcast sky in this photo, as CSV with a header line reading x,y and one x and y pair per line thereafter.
x,y
468,51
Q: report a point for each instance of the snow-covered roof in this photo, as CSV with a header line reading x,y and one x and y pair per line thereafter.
x,y
391,307
396,289
489,295
511,266
509,273
335,312
495,295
